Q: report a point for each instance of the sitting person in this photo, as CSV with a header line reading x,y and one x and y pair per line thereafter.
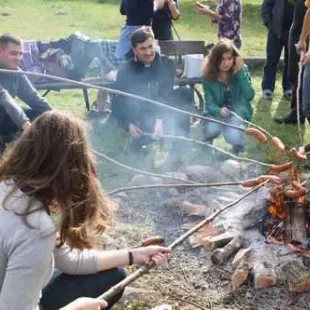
x,y
227,87
52,214
12,117
151,76
163,19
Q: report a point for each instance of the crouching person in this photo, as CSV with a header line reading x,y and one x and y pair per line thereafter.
x,y
149,75
52,213
227,88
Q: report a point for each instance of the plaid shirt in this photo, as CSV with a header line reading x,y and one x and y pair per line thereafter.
x,y
230,23
108,60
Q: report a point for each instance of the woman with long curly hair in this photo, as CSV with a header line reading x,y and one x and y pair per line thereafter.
x,y
52,213
227,87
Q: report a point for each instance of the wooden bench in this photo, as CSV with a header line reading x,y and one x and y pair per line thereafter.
x,y
178,49
58,86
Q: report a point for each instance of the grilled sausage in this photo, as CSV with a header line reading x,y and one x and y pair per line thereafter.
x,y
250,183
278,144
281,168
271,178
257,134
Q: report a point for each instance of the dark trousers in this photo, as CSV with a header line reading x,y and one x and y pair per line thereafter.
x,y
8,130
274,49
63,288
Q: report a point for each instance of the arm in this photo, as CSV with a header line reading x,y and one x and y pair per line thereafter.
x,y
266,12
123,107
74,261
302,46
243,78
173,8
27,93
211,105
204,9
27,268
12,109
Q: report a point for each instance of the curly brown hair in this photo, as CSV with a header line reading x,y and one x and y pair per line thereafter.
x,y
212,62
52,163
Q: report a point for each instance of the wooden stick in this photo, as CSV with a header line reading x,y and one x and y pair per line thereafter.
x,y
252,124
213,147
157,175
132,188
119,92
139,272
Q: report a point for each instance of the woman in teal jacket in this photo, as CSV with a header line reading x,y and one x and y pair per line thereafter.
x,y
227,87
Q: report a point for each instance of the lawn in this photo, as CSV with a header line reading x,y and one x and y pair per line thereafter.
x,y
54,19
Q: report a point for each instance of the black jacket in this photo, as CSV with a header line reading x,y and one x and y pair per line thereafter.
x,y
152,82
273,15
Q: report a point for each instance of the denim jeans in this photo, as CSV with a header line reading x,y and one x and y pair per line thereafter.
x,y
232,136
274,49
64,288
306,91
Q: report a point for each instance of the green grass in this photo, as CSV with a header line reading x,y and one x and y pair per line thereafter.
x,y
54,19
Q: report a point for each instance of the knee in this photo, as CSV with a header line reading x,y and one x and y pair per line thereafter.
x,y
234,138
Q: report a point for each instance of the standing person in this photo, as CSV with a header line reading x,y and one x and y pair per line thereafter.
x,y
293,68
227,87
163,19
52,213
277,16
12,117
138,13
228,15
302,48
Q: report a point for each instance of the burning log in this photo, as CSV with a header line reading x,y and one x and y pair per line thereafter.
x,y
196,240
264,275
241,256
240,275
296,229
219,256
218,241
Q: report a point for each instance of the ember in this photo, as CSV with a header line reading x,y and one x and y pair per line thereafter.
x,y
288,221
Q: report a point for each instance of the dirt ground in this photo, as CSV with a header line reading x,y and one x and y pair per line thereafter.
x,y
189,281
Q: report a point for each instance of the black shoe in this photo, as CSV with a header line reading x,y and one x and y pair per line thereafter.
x,y
289,119
237,149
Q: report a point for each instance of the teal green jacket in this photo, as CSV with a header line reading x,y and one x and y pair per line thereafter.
x,y
242,92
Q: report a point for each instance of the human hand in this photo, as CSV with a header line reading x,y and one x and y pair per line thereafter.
x,y
239,64
301,46
306,58
203,8
25,125
86,303
150,255
158,129
135,131
224,112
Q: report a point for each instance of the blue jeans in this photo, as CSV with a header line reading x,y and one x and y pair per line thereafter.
x,y
274,49
64,288
306,91
232,136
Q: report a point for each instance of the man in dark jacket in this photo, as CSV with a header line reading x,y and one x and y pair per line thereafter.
x,y
151,76
293,60
277,17
12,117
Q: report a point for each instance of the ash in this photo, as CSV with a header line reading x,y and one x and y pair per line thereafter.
x,y
190,280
